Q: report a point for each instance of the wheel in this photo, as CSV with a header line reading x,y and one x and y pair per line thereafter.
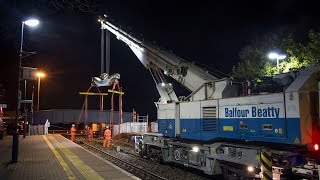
x,y
229,175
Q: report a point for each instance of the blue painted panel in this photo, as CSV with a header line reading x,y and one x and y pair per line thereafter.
x,y
281,130
191,128
248,127
288,130
265,127
166,127
277,127
294,130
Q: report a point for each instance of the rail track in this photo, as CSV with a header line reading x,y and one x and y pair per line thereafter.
x,y
133,169
141,167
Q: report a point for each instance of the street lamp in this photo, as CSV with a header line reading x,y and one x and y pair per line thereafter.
x,y
15,133
40,75
276,56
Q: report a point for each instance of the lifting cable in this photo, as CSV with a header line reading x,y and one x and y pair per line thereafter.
x,y
116,84
85,105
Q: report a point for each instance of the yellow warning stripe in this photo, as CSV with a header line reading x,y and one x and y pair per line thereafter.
x,y
63,164
86,171
266,172
266,160
267,154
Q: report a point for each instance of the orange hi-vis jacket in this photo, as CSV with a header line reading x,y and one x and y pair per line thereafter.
x,y
107,134
73,131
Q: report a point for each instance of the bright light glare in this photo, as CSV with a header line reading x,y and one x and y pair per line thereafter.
x,y
40,74
31,22
276,56
282,56
250,168
316,147
195,149
273,55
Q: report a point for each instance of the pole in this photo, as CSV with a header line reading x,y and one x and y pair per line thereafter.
x,y
38,107
102,51
32,105
25,110
107,51
15,133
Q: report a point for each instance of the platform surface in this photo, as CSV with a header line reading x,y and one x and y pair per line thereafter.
x,y
54,157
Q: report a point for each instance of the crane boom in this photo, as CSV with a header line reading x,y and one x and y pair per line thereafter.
x,y
200,82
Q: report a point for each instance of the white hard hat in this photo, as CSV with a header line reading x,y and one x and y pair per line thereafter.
x,y
107,127
73,125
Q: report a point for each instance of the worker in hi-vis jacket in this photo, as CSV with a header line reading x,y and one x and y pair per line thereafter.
x,y
90,134
107,137
73,132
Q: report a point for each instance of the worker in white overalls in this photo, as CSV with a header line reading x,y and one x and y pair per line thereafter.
x,y
46,126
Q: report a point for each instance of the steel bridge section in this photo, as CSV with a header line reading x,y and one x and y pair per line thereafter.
x,y
67,116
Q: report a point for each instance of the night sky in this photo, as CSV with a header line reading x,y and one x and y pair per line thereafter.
x,y
68,42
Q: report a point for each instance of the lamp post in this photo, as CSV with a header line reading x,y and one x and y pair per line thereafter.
x,y
40,75
278,57
15,133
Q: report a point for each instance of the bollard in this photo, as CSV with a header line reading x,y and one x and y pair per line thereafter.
x,y
24,129
15,146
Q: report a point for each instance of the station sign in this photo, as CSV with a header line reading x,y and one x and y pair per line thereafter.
x,y
26,101
29,73
3,105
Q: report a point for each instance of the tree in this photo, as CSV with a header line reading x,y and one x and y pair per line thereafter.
x,y
312,48
255,63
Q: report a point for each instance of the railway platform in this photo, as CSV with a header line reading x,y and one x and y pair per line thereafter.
x,y
55,157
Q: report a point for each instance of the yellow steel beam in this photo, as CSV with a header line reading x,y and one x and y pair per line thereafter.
x,y
114,91
93,94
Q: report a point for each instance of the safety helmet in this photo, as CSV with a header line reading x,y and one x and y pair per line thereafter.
x,y
73,125
107,127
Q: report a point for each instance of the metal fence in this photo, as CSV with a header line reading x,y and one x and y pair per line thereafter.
x,y
136,127
36,130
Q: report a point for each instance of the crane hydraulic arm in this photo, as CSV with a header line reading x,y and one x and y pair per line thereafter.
x,y
201,84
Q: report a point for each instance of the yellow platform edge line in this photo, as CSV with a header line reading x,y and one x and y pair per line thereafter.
x,y
86,171
63,164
